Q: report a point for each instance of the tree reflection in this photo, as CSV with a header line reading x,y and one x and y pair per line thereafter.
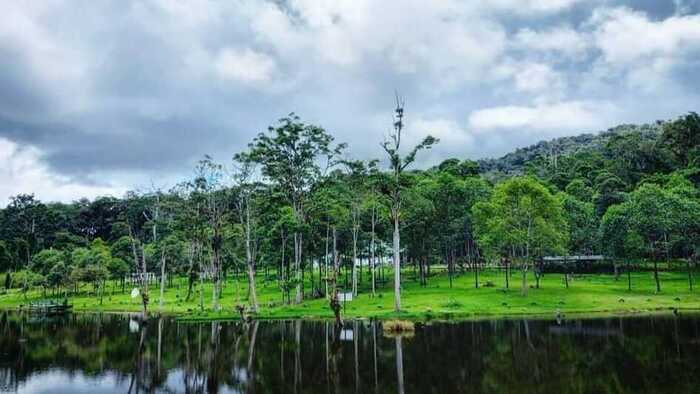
x,y
621,355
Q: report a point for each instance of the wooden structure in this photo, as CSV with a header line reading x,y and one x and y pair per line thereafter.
x,y
573,259
135,278
577,264
50,307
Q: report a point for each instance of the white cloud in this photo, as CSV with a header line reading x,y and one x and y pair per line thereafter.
x,y
561,39
642,51
538,78
454,139
245,65
202,68
442,43
572,115
531,6
24,172
626,36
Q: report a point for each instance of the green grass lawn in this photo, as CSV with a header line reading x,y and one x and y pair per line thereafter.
x,y
591,294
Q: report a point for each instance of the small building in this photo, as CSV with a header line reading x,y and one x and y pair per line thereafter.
x,y
577,264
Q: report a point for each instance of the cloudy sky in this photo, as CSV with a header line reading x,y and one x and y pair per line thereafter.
x,y
98,97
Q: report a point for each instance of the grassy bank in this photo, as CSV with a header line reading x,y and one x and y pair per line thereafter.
x,y
586,295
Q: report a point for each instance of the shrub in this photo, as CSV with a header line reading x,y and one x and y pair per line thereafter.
x,y
398,326
452,304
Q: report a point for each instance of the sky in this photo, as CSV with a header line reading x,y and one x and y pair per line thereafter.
x,y
101,97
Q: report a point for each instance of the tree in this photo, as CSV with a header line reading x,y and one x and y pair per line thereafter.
x,y
332,198
5,257
134,214
583,225
96,219
682,138
579,189
609,190
211,200
244,189
524,219
281,227
288,154
43,261
26,222
632,155
375,203
618,240
397,166
58,275
358,172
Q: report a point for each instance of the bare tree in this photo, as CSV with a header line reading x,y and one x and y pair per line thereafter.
x,y
398,165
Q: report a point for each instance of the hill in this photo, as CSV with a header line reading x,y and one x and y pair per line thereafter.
x,y
514,163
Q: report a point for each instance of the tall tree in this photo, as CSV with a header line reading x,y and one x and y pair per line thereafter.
x,y
134,214
289,156
212,201
244,189
398,164
358,172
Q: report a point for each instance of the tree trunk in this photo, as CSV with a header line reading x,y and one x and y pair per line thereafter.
x,y
328,297
215,283
334,302
354,260
162,280
397,264
656,276
372,262
253,298
507,273
297,266
629,276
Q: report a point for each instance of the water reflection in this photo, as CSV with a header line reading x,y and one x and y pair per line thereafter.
x,y
108,353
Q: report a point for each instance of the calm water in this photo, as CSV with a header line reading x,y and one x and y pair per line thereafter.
x,y
112,354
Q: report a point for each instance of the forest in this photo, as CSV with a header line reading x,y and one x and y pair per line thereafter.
x,y
291,212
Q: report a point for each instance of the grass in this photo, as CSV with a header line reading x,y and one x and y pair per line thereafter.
x,y
593,294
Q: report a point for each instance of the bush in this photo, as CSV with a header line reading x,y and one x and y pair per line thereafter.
x,y
398,326
20,277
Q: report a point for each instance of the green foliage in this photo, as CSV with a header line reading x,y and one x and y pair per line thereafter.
x,y
579,189
682,138
522,218
45,260
6,260
583,225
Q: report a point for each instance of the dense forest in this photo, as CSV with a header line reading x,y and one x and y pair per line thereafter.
x,y
292,208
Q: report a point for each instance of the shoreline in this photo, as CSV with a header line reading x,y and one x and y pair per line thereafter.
x,y
455,317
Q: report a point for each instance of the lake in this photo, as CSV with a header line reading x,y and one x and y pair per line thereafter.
x,y
111,353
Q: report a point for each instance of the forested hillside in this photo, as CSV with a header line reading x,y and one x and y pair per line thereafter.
x,y
515,163
289,207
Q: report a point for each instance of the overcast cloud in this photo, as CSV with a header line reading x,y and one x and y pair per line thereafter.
x,y
97,97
